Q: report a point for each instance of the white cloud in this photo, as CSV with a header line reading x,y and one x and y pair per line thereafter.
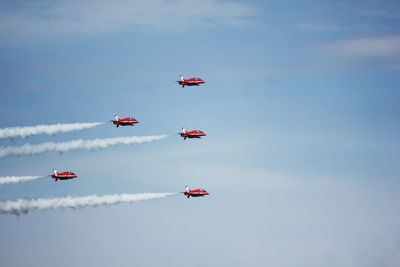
x,y
38,19
365,48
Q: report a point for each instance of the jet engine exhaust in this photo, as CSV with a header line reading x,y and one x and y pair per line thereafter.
x,y
22,132
24,206
80,144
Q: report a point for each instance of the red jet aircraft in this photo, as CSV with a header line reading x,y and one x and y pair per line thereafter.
x,y
195,192
190,81
191,134
63,175
124,121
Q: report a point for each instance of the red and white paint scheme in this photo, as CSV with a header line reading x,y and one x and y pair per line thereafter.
x,y
191,134
129,121
190,81
195,192
67,175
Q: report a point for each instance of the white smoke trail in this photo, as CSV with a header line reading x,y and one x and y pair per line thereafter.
x,y
18,179
21,206
28,149
16,132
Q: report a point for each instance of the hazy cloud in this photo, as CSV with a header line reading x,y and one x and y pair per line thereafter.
x,y
365,48
35,19
315,27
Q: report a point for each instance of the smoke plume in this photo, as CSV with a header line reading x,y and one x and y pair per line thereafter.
x,y
18,179
21,206
16,132
29,150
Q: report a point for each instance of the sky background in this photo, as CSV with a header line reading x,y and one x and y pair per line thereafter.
x,y
300,106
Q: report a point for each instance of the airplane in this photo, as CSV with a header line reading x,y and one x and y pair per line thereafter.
x,y
190,81
195,192
191,134
124,121
67,175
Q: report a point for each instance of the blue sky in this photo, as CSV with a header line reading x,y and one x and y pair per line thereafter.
x,y
300,107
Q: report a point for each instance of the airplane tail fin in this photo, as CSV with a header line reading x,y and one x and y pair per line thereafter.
x,y
187,188
183,134
182,80
54,171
